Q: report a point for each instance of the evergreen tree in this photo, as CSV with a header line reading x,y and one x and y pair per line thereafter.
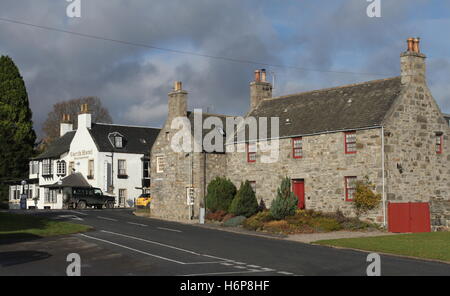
x,y
17,136
244,203
285,204
221,192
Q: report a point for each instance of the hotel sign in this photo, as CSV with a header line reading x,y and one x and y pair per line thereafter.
x,y
81,154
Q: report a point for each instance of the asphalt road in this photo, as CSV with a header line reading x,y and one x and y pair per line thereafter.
x,y
123,244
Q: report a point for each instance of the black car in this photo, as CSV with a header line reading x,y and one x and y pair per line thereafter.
x,y
89,197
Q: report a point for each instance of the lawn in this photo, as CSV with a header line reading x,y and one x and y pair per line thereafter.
x,y
434,245
15,224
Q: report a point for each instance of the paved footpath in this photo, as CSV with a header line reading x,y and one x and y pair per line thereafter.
x,y
123,244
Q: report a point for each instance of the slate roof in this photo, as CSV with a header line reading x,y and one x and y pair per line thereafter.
x,y
73,180
57,147
355,106
137,140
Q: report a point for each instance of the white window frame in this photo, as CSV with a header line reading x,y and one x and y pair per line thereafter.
x,y
122,169
160,164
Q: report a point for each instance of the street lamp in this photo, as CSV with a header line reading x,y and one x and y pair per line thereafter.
x,y
23,196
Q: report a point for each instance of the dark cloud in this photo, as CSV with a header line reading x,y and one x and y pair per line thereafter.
x,y
133,82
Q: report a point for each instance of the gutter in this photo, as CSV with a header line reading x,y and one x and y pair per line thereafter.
x,y
383,177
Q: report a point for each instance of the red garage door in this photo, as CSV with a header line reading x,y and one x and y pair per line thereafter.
x,y
409,217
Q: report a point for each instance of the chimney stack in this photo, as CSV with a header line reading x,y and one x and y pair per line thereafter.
x,y
65,125
413,68
84,117
177,102
259,89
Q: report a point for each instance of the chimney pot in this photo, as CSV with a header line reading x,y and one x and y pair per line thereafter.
x,y
178,85
417,45
410,44
263,75
258,76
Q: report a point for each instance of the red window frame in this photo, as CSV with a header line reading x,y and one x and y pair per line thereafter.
x,y
439,142
299,150
251,155
347,143
347,188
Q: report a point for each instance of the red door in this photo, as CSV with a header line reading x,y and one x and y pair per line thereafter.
x,y
409,217
298,187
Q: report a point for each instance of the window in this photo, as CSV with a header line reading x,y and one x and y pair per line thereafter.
x,y
90,169
118,142
251,152
98,192
61,168
71,167
160,163
49,195
297,147
439,141
350,142
34,167
122,167
350,188
145,169
47,167
122,197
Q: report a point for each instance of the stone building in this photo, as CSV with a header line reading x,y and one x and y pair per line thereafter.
x,y
391,131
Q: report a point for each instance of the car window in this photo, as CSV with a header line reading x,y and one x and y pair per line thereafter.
x,y
97,192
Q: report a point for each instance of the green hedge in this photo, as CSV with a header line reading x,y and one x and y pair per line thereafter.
x,y
244,203
221,192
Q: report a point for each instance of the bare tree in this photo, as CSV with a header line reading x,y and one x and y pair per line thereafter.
x,y
72,107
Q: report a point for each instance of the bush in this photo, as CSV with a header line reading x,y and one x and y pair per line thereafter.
x,y
256,222
262,206
244,203
365,199
227,217
234,222
281,226
325,224
216,216
221,192
285,204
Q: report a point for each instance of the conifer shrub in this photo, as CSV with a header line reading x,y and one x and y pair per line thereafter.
x,y
221,192
244,203
285,204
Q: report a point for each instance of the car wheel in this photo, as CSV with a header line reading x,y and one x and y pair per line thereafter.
x,y
81,205
109,205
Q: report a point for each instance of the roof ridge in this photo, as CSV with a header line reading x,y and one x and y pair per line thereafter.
x,y
332,88
123,125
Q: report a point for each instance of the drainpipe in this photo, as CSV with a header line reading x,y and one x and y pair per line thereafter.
x,y
383,176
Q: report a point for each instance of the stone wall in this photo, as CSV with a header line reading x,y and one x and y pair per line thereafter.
x,y
440,215
415,172
323,168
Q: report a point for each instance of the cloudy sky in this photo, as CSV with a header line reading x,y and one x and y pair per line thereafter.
x,y
330,36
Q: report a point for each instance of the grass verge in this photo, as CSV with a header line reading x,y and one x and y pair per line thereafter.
x,y
434,245
31,225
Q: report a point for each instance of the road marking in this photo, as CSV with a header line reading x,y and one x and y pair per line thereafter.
x,y
138,224
151,242
132,249
254,266
84,214
105,218
226,264
268,269
240,267
168,229
239,263
73,217
285,273
223,273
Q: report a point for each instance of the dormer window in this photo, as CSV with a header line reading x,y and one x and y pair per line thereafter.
x,y
118,142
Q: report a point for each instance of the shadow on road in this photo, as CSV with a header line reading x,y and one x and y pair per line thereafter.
x,y
12,238
21,257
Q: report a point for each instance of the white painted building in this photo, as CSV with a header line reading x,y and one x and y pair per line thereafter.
x,y
114,158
